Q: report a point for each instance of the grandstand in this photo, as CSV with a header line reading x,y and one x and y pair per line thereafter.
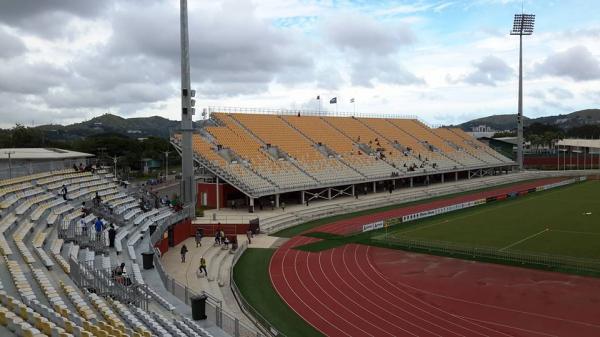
x,y
311,153
41,229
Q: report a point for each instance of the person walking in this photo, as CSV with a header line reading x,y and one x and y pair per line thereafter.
x,y
202,267
249,236
83,225
112,234
283,206
222,236
184,251
198,238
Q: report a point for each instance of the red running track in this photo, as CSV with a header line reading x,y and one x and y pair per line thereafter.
x,y
358,290
355,224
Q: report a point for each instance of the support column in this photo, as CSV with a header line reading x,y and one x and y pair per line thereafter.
x,y
442,178
217,187
329,193
455,176
411,181
353,190
277,200
302,198
251,210
469,174
374,186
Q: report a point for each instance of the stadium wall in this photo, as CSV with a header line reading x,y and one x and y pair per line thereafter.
x,y
210,190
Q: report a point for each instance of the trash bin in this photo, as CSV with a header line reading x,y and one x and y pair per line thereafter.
x,y
198,307
148,260
152,228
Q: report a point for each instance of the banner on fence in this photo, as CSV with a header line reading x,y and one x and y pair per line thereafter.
x,y
372,226
442,210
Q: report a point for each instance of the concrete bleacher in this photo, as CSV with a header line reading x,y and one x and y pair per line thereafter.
x,y
38,299
310,152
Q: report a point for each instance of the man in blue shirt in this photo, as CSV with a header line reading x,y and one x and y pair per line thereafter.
x,y
99,226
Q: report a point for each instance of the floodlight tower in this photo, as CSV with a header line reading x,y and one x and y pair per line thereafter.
x,y
188,190
523,25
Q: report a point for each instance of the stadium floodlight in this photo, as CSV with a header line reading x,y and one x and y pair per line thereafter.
x,y
188,189
522,25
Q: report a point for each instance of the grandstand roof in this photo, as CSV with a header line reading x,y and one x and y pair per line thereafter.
x,y
41,153
591,143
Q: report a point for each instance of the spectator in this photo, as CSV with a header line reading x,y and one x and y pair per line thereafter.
x,y
249,236
272,204
226,242
198,238
283,206
99,226
75,167
232,204
222,236
64,191
218,236
184,251
81,168
202,267
112,234
118,272
83,225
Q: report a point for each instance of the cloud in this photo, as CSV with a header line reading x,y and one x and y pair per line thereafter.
x,y
371,49
48,18
576,63
370,70
488,71
229,48
560,93
365,35
19,77
11,45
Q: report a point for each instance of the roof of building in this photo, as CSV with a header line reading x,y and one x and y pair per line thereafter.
x,y
591,143
41,153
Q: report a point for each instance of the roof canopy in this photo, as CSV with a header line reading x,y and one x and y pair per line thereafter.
x,y
41,153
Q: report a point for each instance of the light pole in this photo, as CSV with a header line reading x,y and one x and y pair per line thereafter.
x,y
9,164
115,162
188,188
523,25
166,165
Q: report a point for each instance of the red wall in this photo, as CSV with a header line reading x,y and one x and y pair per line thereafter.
x,y
181,231
229,229
211,194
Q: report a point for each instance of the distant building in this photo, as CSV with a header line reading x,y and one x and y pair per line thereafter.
x,y
482,131
24,161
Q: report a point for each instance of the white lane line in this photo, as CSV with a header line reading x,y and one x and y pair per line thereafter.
x,y
525,239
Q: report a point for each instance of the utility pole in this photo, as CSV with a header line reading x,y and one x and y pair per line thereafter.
x,y
166,165
9,153
115,162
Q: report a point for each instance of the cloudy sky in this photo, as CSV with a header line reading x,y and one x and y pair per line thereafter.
x,y
445,61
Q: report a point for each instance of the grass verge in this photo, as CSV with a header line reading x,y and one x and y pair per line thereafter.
x,y
251,274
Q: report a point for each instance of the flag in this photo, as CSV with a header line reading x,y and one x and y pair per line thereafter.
x,y
318,97
333,100
351,100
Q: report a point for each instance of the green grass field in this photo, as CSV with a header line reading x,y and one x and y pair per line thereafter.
x,y
556,222
550,222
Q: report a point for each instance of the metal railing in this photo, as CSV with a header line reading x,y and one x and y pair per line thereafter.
x,y
259,320
507,256
100,281
214,311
